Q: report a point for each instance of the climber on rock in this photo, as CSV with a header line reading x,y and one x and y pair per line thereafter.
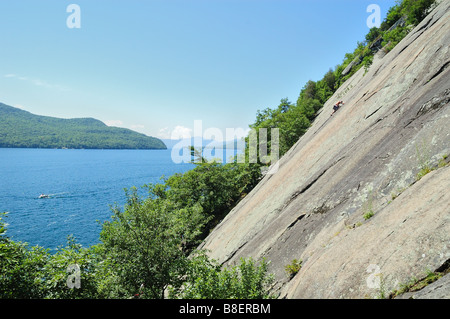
x,y
337,106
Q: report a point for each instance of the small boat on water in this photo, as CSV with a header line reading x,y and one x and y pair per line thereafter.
x,y
44,196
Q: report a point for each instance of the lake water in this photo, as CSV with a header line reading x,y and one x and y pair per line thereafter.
x,y
82,185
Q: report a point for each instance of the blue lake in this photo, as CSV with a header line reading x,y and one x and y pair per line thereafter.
x,y
82,184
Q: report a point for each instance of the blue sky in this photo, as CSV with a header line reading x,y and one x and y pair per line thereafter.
x,y
155,66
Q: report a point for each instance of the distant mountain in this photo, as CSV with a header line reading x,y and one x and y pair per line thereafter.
x,y
22,129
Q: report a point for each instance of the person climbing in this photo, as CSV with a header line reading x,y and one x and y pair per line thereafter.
x,y
336,107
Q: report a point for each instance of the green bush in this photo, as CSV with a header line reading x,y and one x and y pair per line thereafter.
x,y
293,268
393,37
208,280
368,215
31,273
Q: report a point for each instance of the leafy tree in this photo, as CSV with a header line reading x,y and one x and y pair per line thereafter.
x,y
324,92
19,267
372,35
309,90
145,244
263,116
415,10
393,15
30,273
214,187
208,280
70,261
284,106
393,37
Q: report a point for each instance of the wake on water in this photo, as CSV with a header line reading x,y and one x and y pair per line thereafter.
x,y
56,195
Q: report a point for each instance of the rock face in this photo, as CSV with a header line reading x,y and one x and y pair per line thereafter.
x,y
364,159
437,290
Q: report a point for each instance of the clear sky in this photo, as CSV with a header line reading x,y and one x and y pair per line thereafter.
x,y
155,66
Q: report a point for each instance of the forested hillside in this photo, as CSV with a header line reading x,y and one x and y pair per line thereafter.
x,y
19,128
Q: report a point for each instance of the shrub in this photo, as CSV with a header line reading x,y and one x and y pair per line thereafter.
x,y
293,268
368,215
208,280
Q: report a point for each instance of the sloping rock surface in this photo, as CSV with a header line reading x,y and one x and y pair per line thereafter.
x,y
365,158
436,290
